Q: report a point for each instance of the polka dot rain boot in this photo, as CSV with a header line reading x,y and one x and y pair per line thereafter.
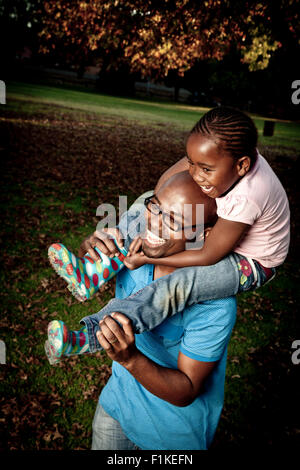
x,y
62,342
84,276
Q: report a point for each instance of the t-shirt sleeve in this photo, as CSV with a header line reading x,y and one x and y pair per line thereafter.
x,y
208,328
239,208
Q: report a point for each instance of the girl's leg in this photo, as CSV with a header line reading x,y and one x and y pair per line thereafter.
x,y
252,274
169,295
83,275
63,342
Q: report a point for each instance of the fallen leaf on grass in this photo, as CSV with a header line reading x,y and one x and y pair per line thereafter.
x,y
45,282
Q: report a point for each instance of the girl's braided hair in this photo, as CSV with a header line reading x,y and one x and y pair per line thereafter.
x,y
233,131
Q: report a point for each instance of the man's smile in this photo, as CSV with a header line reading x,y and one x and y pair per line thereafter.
x,y
152,240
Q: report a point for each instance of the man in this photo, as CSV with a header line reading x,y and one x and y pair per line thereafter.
x,y
167,385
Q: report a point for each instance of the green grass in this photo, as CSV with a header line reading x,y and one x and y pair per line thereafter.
x,y
63,153
144,111
43,398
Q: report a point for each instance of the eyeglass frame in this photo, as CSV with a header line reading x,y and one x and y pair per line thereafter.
x,y
161,212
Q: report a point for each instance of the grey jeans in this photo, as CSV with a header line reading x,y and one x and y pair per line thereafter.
x,y
108,434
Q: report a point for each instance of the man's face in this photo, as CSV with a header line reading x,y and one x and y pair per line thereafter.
x,y
160,240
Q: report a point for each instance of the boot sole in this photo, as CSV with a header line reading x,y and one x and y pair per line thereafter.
x,y
60,259
57,337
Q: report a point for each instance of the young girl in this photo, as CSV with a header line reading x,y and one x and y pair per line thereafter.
x,y
249,240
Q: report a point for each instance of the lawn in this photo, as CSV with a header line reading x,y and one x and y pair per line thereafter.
x,y
145,111
63,152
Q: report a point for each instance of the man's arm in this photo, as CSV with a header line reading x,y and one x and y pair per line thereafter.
x,y
177,386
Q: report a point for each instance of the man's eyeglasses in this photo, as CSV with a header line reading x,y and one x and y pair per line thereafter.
x,y
167,218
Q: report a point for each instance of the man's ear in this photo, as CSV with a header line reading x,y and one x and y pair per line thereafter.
x,y
243,165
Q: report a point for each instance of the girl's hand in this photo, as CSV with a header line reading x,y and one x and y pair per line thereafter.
x,y
135,261
119,343
103,240
135,246
135,257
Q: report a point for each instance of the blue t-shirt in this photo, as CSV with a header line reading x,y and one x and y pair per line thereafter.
x,y
201,332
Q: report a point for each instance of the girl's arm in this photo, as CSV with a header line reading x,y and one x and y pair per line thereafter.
x,y
222,239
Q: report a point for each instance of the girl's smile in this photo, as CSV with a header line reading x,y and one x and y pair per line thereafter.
x,y
207,189
215,172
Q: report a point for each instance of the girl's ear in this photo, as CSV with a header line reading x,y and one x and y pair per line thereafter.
x,y
243,165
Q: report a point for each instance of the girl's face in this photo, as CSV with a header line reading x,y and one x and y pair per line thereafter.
x,y
213,171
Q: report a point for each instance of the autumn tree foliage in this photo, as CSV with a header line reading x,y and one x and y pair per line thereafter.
x,y
154,37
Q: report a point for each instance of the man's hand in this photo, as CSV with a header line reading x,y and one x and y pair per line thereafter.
x,y
119,343
103,240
